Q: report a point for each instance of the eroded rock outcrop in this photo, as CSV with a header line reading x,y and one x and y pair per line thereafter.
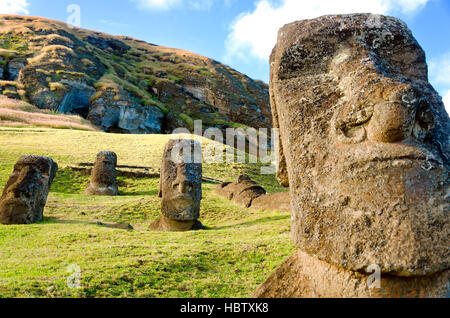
x,y
103,176
180,187
122,84
25,194
365,145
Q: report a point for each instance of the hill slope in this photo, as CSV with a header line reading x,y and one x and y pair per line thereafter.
x,y
121,84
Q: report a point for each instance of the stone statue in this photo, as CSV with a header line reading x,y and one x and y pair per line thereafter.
x,y
180,186
103,176
365,150
243,191
26,191
248,194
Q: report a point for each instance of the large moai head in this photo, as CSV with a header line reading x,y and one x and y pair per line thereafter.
x,y
103,177
26,191
364,144
181,180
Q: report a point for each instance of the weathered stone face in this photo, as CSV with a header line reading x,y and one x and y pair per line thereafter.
x,y
26,191
103,177
365,144
181,181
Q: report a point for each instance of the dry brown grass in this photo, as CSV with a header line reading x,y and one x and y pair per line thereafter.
x,y
18,113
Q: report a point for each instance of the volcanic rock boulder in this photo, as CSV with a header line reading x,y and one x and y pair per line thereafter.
x,y
243,191
280,201
26,191
180,187
365,143
103,177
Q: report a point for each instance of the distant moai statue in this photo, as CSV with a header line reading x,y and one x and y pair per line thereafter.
x,y
180,187
243,191
26,191
103,176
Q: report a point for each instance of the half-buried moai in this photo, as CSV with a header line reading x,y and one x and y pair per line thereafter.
x,y
365,150
103,176
26,191
247,193
243,191
180,187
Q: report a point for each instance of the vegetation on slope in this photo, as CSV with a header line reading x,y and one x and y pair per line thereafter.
x,y
85,72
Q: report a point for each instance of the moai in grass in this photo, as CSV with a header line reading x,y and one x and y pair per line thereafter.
x,y
243,191
365,151
103,177
180,187
26,191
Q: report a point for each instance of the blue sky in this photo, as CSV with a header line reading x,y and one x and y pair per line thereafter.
x,y
241,33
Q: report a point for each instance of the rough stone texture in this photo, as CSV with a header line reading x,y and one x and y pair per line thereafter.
x,y
120,112
277,201
243,191
26,191
304,276
365,139
103,177
164,224
180,186
76,98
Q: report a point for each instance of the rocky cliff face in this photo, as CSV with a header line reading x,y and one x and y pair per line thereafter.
x,y
121,84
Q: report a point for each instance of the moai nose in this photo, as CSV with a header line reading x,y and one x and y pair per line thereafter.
x,y
185,186
393,118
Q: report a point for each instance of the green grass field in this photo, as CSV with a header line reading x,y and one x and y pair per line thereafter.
x,y
237,251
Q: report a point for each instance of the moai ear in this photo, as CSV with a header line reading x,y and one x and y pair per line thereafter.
x,y
282,174
160,186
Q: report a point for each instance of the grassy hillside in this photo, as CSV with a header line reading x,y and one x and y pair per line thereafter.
x,y
98,76
239,249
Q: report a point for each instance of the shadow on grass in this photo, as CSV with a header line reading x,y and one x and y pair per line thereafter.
x,y
250,223
137,193
50,220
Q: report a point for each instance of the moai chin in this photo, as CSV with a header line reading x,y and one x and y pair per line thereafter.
x,y
103,176
365,150
25,194
180,186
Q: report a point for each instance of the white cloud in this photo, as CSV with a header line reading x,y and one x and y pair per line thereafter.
x,y
165,5
439,74
447,102
203,5
439,70
255,33
14,7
